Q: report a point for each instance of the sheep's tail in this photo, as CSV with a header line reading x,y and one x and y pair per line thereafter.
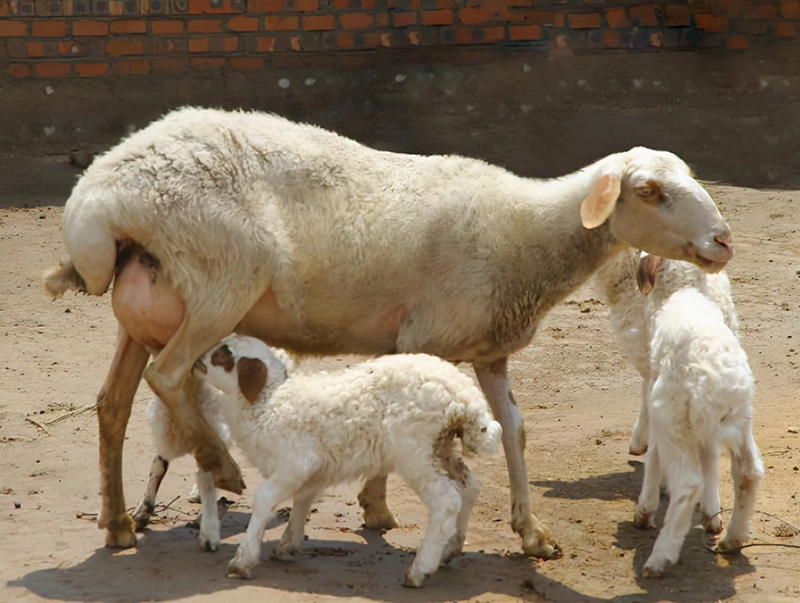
x,y
470,419
63,278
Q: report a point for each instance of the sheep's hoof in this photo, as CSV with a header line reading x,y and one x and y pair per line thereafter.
x,y
121,535
209,544
413,578
541,545
643,520
713,524
194,495
728,546
237,571
652,571
637,449
380,522
286,554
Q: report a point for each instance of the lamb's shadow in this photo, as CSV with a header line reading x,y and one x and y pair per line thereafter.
x,y
169,565
611,486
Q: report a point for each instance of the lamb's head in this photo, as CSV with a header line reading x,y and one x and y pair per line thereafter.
x,y
651,201
241,365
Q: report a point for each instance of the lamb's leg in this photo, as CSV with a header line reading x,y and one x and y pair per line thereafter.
x,y
638,445
536,539
169,376
470,488
372,499
144,510
209,514
709,501
685,486
113,411
268,496
644,516
292,539
442,497
747,469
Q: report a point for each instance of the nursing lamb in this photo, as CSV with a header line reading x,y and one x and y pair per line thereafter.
x,y
217,221
393,414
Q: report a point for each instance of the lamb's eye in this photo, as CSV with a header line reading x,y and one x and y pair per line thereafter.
x,y
644,191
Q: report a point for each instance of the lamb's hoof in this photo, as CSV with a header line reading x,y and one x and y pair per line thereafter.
x,y
383,522
541,545
194,495
121,535
643,520
653,571
141,520
286,554
637,449
728,546
237,571
209,544
713,524
413,579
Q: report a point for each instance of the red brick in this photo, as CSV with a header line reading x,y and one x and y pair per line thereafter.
x,y
128,26
473,15
18,70
170,65
448,4
198,44
205,6
610,39
266,44
89,28
120,47
790,10
494,34
306,6
368,4
264,6
13,28
679,16
49,29
52,69
247,63
644,14
204,26
737,42
91,69
243,23
617,17
760,11
166,27
319,22
585,20
785,30
382,20
464,35
525,32
229,43
356,20
341,4
207,62
130,67
69,47
437,17
345,40
282,23
36,49
711,23
3,9
404,19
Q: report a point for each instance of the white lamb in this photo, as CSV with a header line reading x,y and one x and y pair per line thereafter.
x,y
171,443
393,414
625,282
699,399
210,222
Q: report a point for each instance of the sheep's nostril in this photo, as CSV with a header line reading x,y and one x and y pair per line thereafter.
x,y
725,240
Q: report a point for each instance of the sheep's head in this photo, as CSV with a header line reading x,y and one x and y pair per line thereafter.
x,y
241,365
651,201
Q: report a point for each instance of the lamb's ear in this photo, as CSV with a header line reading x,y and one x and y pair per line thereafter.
x,y
646,273
252,374
602,199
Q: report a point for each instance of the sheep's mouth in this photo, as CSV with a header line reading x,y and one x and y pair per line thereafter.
x,y
709,266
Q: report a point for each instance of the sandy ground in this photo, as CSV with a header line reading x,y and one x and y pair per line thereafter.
x,y
579,399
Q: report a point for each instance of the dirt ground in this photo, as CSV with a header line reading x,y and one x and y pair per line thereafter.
x,y
579,398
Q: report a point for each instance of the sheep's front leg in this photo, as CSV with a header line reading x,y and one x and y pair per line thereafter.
x,y
209,515
113,411
638,445
372,499
536,539
144,510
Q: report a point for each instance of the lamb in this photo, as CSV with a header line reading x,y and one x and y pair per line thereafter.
x,y
396,413
625,282
171,443
216,221
699,399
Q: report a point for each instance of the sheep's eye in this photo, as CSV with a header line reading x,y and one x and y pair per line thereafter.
x,y
644,191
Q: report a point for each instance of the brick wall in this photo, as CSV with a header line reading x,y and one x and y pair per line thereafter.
x,y
89,38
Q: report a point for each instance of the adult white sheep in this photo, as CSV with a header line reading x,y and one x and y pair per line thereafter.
x,y
625,282
699,399
315,243
397,413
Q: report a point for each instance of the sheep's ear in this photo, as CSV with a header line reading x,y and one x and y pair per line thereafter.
x,y
600,203
252,374
646,273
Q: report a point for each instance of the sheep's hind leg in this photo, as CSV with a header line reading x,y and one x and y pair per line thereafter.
x,y
292,538
747,469
209,515
113,411
709,501
144,510
372,499
470,488
536,539
170,376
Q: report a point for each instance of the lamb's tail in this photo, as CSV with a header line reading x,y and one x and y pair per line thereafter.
x,y
63,278
469,417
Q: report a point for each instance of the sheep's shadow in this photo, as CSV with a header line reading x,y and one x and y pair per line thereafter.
x,y
169,565
611,486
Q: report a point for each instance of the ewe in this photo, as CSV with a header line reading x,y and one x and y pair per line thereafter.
x,y
393,414
215,222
